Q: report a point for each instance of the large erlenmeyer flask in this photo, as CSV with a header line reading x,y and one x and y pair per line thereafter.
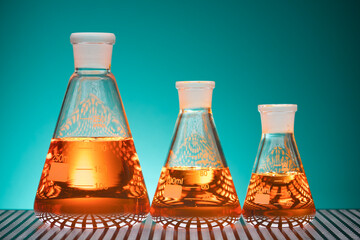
x,y
195,188
92,177
278,194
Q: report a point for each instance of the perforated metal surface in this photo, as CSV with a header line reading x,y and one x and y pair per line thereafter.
x,y
328,224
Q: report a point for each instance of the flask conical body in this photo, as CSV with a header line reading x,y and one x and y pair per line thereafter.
x,y
92,177
278,194
195,186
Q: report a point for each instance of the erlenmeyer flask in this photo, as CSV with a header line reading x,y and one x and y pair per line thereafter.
x,y
195,188
278,194
92,177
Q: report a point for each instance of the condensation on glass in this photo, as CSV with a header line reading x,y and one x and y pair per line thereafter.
x,y
92,177
278,194
195,189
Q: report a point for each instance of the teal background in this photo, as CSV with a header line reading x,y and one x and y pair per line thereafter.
x,y
303,52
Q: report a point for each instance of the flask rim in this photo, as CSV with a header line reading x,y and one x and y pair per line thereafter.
x,y
277,108
195,84
92,38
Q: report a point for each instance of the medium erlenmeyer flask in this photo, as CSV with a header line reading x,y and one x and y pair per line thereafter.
x,y
92,177
195,188
278,194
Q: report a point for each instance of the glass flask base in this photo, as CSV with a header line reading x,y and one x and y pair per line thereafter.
x,y
279,200
91,212
196,217
280,217
192,196
196,222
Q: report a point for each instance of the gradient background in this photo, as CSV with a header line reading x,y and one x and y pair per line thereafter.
x,y
258,52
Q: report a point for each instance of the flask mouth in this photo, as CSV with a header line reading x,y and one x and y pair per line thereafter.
x,y
277,108
277,118
195,84
92,38
195,94
92,50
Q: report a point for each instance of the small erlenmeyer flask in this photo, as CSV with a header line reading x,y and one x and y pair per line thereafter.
x,y
92,177
278,194
195,188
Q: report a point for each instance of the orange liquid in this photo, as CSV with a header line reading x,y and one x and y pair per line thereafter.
x,y
91,183
279,200
192,192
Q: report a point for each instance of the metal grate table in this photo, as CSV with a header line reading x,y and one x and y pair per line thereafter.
x,y
328,224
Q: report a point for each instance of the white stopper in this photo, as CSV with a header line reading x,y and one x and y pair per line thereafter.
x,y
92,50
195,94
277,118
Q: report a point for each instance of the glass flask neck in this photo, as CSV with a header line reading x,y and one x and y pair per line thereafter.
x,y
195,141
195,110
92,71
92,107
278,153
